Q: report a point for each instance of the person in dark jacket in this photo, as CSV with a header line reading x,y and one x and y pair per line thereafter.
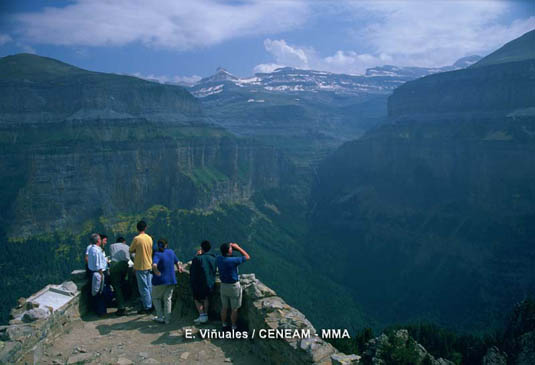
x,y
202,280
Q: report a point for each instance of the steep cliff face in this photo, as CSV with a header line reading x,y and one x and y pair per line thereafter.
x,y
39,89
78,145
492,90
436,208
499,84
65,186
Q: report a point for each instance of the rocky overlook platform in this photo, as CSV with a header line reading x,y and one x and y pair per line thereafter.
x,y
53,326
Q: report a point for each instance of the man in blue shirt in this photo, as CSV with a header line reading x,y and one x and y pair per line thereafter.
x,y
163,281
231,292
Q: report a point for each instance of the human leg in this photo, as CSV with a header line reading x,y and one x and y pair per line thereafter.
x,y
227,294
117,274
144,282
201,302
157,299
199,306
167,302
235,303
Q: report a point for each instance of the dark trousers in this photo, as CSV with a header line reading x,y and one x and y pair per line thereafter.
x,y
100,301
118,273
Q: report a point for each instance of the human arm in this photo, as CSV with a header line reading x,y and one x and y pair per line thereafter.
x,y
101,262
177,264
237,247
155,269
155,261
132,248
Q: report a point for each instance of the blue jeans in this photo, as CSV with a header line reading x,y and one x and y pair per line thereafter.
x,y
144,284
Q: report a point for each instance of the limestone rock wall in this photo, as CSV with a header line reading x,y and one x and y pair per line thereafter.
x,y
263,309
35,324
39,319
61,187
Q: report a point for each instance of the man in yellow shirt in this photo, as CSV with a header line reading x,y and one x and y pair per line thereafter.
x,y
142,247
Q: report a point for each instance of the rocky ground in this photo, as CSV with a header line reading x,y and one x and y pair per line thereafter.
x,y
136,339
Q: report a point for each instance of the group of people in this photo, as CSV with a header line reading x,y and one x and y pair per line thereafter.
x,y
154,267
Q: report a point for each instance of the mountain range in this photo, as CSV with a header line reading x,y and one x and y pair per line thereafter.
x,y
405,194
289,80
294,109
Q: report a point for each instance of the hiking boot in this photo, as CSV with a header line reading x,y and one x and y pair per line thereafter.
x,y
203,318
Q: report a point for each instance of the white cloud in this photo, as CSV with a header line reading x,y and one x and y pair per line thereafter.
x,y
286,54
4,38
266,67
435,33
167,24
408,33
307,58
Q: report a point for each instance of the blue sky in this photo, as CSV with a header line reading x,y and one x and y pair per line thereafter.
x,y
181,40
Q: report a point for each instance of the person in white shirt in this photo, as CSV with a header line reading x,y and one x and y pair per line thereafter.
x,y
97,266
103,241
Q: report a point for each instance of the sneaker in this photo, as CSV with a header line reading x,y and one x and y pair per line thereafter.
x,y
203,319
158,319
197,320
120,312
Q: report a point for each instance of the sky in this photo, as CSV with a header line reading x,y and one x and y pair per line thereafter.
x,y
184,40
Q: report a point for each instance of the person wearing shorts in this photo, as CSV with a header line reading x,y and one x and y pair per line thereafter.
x,y
231,292
202,280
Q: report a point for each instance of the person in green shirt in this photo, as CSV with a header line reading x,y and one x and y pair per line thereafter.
x,y
202,280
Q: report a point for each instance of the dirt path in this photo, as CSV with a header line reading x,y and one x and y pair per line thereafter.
x,y
136,339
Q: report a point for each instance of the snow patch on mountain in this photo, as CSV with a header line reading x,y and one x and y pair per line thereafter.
x,y
204,92
377,80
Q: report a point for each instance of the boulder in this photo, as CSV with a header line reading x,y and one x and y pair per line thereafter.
x,y
9,351
495,357
69,286
527,349
378,350
80,359
316,349
343,359
35,314
124,361
18,332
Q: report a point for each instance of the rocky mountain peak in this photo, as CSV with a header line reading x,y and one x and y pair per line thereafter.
x,y
220,75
